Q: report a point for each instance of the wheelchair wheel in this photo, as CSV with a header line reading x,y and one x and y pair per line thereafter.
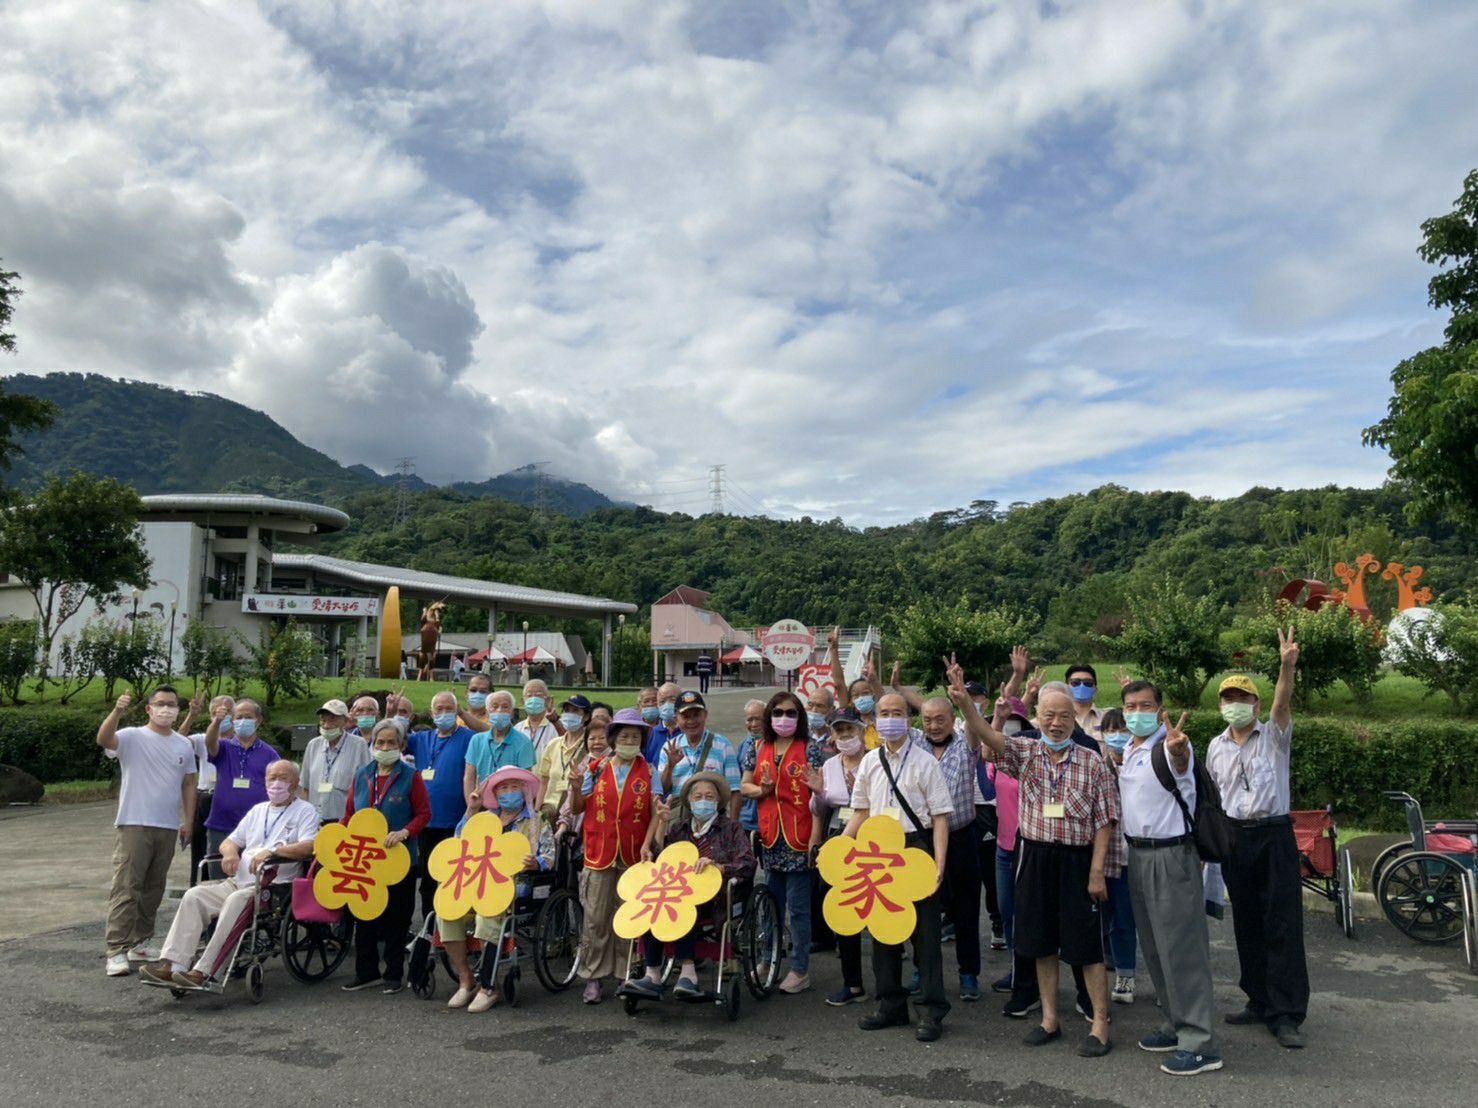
x,y
1384,859
759,942
1470,920
629,1005
1344,886
1421,894
312,951
557,930
510,987
423,984
254,982
731,999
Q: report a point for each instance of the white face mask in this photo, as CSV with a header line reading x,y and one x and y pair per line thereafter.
x,y
163,714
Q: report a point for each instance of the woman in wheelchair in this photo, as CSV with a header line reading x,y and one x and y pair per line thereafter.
x,y
277,831
511,793
721,842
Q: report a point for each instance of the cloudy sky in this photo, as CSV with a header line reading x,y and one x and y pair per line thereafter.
x,y
876,258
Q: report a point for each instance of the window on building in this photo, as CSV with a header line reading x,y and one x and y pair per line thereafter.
x,y
227,579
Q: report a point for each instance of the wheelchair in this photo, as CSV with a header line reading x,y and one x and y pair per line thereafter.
x,y
1322,868
741,937
1428,885
310,949
542,926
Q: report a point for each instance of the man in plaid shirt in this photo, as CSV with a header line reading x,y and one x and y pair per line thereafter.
x,y
1068,809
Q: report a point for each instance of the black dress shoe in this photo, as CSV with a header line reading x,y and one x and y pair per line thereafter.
x,y
1289,1037
1040,1036
929,1031
1094,1047
1245,1018
877,1021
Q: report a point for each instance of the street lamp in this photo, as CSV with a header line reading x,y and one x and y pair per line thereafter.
x,y
525,652
137,596
620,627
174,607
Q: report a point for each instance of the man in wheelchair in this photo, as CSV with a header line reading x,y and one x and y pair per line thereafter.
x,y
282,826
721,842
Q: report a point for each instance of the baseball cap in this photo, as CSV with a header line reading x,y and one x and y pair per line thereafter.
x,y
1239,682
974,688
691,699
335,707
848,715
576,701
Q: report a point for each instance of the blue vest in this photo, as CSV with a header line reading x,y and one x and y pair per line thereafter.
x,y
395,805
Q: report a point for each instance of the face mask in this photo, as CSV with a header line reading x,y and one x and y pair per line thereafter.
x,y
703,810
1117,740
650,714
533,705
627,751
667,712
477,699
784,726
511,801
277,791
1143,724
817,722
865,705
1082,693
572,721
938,742
1055,746
387,757
444,721
366,723
246,728
892,728
500,721
849,747
163,714
1237,713
330,733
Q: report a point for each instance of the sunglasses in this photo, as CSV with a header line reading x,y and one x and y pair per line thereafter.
x,y
1079,682
785,713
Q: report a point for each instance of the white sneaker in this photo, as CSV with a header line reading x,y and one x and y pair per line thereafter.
x,y
118,965
461,998
141,953
1123,990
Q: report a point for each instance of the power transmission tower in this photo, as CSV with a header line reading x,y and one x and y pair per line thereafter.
x,y
716,488
541,493
404,467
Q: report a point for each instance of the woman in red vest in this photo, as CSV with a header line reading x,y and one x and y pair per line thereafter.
x,y
615,796
779,774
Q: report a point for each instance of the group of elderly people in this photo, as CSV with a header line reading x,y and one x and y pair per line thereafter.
x,y
1075,820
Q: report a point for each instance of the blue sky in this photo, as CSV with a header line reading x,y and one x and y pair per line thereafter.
x,y
877,259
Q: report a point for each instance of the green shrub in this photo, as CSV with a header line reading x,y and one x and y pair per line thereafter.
x,y
1173,639
1335,644
981,638
285,659
19,641
1442,653
54,743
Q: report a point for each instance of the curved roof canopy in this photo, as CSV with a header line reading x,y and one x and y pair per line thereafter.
x,y
195,507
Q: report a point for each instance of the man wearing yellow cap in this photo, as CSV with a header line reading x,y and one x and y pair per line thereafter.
x,y
1249,762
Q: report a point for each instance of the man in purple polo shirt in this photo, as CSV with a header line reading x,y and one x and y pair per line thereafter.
x,y
241,760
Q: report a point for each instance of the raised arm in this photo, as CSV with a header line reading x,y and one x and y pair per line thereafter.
x,y
1177,745
838,678
1021,662
914,701
979,731
194,710
107,736
1282,713
213,732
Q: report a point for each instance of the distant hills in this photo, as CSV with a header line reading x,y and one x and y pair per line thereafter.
x,y
160,439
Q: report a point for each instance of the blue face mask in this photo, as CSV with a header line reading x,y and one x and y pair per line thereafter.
x,y
511,801
500,721
866,704
246,728
477,699
650,714
1057,747
444,721
1143,724
572,721
704,810
817,722
366,723
668,712
1082,693
1118,740
533,705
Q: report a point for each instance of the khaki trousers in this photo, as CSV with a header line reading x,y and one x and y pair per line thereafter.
x,y
141,857
599,945
198,907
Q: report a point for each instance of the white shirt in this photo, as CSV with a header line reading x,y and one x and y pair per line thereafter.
x,y
335,768
1253,777
1148,810
919,778
264,827
205,773
154,769
541,736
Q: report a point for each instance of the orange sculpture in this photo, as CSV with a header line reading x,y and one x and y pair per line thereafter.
x,y
1406,577
1353,596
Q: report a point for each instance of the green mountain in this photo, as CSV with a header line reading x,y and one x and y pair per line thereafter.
x,y
161,439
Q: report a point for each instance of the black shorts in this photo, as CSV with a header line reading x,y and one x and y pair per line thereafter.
x,y
1054,913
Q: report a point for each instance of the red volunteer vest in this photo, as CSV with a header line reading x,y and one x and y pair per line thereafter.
x,y
616,819
788,810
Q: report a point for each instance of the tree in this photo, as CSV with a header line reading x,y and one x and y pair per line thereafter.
x,y
1335,644
209,653
17,413
980,638
18,641
1441,652
1173,639
1431,423
76,541
285,659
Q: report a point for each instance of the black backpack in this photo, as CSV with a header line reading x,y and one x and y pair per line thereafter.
x,y
1209,827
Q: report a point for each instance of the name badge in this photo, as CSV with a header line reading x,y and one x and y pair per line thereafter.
x,y
325,787
428,775
844,815
241,783
893,813
1053,811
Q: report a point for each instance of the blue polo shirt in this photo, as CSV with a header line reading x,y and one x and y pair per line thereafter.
x,y
749,810
658,737
486,756
442,756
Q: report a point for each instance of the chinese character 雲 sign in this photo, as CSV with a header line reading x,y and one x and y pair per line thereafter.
x,y
662,897
475,870
874,881
356,868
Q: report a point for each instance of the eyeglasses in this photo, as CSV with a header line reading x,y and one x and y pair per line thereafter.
x,y
1079,682
785,713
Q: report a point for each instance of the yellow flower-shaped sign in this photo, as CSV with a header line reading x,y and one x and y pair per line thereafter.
x,y
475,871
875,880
662,897
357,868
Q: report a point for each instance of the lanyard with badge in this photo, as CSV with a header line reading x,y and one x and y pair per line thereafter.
x,y
894,812
428,774
1053,808
269,829
330,757
239,779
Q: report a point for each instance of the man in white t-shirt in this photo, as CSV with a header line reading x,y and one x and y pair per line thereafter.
x,y
156,811
283,826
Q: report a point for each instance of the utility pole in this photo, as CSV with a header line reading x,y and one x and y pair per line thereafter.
x,y
541,493
716,488
404,467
